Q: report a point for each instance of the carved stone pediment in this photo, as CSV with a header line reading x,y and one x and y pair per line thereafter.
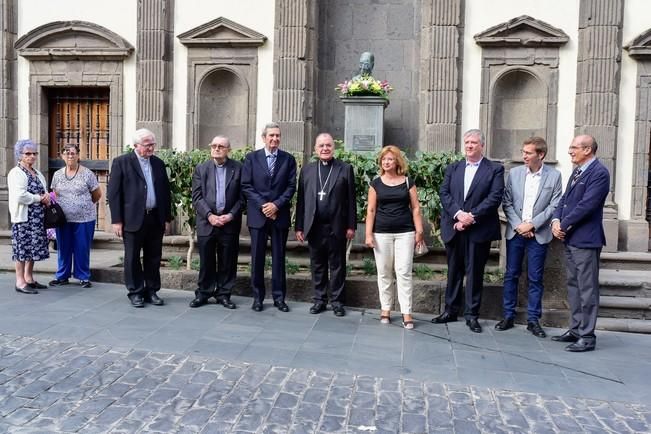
x,y
640,47
72,40
221,32
522,31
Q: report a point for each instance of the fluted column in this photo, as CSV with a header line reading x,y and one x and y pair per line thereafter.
x,y
154,56
441,74
8,101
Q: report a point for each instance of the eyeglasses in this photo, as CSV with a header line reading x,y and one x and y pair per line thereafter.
x,y
147,145
220,147
69,153
576,148
29,154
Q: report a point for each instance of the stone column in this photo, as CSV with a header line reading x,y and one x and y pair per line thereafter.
x,y
154,57
294,51
8,102
597,99
441,74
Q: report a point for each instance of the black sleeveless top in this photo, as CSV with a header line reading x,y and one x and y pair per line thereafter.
x,y
393,213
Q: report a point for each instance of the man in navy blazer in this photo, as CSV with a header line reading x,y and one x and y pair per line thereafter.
x,y
216,197
141,211
268,183
470,195
530,198
578,223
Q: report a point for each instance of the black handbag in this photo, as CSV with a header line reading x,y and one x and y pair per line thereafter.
x,y
54,216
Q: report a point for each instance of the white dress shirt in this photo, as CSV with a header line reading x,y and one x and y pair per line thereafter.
x,y
531,186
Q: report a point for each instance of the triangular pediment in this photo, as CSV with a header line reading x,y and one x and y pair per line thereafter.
x,y
221,32
524,31
640,47
72,39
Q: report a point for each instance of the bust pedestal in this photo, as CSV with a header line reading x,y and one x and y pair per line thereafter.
x,y
364,122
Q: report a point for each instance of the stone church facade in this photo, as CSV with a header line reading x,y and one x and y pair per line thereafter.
x,y
92,72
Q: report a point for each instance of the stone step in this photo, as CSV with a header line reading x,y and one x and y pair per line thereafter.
x,y
625,307
624,325
640,261
627,283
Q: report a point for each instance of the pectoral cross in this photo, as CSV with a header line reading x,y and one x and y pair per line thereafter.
x,y
321,194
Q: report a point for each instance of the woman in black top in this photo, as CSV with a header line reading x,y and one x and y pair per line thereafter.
x,y
393,226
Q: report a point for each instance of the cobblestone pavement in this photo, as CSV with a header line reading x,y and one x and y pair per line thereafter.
x,y
55,387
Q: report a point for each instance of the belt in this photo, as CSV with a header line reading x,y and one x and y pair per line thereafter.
x,y
150,210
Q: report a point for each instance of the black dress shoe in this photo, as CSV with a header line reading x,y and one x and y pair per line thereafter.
x,y
282,306
155,299
568,336
505,324
445,317
226,302
257,306
36,285
535,329
137,301
339,310
582,345
26,289
198,302
317,308
59,282
473,325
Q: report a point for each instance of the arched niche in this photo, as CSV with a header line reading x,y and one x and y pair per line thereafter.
x,y
223,106
519,111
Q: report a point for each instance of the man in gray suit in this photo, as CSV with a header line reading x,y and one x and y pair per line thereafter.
x,y
531,195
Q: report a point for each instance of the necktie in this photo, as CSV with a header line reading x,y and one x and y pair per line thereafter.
x,y
271,162
576,175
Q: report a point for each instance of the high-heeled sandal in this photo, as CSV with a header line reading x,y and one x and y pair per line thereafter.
x,y
385,319
409,325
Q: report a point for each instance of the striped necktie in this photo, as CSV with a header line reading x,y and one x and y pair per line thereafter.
x,y
271,162
576,175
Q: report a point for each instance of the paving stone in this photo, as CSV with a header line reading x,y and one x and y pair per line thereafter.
x,y
361,417
309,412
112,415
363,400
195,418
21,416
11,403
279,416
465,427
331,424
391,398
414,423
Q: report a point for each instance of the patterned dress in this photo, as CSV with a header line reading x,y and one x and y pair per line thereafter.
x,y
29,239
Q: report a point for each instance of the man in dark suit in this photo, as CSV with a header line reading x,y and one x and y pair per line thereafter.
x,y
216,197
326,218
268,184
470,195
578,222
141,212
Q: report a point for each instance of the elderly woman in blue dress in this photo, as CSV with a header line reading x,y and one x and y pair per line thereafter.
x,y
27,201
77,191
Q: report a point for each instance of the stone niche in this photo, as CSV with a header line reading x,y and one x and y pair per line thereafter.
x,y
519,92
222,82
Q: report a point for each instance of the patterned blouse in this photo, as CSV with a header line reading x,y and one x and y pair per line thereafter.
x,y
73,194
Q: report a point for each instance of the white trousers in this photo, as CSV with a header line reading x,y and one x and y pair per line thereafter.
x,y
395,251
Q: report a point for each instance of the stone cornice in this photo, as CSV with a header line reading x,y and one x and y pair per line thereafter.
x,y
222,32
640,47
522,31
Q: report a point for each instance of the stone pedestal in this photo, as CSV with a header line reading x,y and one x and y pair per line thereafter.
x,y
634,235
364,123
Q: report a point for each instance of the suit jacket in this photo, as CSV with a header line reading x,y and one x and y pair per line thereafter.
x,y
204,196
259,187
483,200
127,191
581,208
340,188
549,194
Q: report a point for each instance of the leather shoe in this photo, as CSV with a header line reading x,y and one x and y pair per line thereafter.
x,y
154,299
36,285
282,306
505,324
317,308
473,325
535,329
257,306
226,302
27,289
582,345
339,310
59,282
137,301
198,302
568,336
445,317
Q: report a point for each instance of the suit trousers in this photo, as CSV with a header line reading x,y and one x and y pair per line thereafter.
x,y
143,278
217,264
536,254
465,259
395,252
583,289
327,255
73,247
259,238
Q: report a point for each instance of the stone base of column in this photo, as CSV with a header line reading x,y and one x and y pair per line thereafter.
x,y
611,228
5,220
634,236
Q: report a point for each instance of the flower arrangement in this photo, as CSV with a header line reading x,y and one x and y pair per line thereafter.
x,y
364,85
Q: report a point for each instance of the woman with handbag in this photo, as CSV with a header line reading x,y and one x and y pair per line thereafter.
x,y
77,191
27,202
393,228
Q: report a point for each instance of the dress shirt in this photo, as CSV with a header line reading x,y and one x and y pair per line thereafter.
x,y
271,157
469,175
220,187
145,165
531,186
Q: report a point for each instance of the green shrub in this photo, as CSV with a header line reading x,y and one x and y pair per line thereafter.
x,y
368,266
423,272
175,262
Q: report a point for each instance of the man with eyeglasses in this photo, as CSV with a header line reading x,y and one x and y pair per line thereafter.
x,y
531,195
141,211
578,223
216,199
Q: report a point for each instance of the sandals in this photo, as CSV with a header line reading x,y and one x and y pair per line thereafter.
x,y
385,319
409,324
